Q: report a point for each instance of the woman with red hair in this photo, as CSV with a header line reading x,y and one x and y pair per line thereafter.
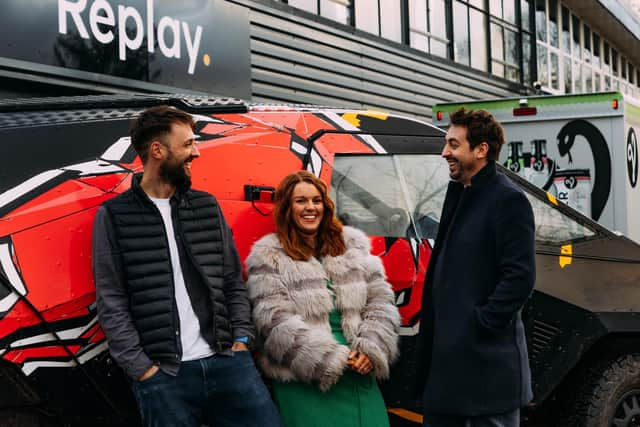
x,y
324,312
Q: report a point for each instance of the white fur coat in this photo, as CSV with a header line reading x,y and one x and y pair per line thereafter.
x,y
291,305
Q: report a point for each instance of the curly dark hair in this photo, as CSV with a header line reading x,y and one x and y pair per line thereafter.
x,y
154,124
481,127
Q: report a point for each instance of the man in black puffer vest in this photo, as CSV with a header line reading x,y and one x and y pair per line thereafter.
x,y
170,295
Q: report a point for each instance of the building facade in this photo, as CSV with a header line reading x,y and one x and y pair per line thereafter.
x,y
396,55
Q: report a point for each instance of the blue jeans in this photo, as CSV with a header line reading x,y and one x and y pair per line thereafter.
x,y
220,391
509,419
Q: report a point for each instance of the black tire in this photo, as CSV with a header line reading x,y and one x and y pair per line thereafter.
x,y
610,395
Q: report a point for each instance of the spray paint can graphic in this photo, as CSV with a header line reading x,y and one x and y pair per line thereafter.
x,y
573,187
539,169
515,161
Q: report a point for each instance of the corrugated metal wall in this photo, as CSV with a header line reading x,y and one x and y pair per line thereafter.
x,y
296,58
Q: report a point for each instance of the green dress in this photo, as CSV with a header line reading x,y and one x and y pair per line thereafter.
x,y
355,401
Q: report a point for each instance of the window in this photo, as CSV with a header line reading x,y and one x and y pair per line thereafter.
x,y
575,29
554,227
553,22
572,58
587,44
596,50
406,201
427,27
479,54
380,17
541,20
506,45
337,10
308,5
461,33
525,14
566,31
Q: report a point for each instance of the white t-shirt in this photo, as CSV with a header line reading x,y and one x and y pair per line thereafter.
x,y
194,346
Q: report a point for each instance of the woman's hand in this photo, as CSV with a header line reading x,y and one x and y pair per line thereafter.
x,y
359,362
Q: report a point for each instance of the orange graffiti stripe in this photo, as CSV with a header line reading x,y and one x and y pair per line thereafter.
x,y
407,415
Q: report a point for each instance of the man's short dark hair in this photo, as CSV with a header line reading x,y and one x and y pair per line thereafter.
x,y
481,127
154,124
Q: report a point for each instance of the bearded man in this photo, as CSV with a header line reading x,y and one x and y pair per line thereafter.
x,y
170,295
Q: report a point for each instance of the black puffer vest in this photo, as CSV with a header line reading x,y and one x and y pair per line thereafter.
x,y
146,262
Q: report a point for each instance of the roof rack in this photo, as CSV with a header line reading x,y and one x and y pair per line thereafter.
x,y
189,103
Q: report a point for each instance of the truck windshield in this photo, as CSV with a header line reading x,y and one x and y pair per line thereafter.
x,y
402,196
390,195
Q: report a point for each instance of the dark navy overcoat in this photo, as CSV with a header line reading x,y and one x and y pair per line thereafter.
x,y
472,354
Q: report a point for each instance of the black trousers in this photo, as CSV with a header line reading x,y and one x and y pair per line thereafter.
x,y
509,419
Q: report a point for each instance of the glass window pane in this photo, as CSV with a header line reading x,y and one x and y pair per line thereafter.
x,y
391,20
511,47
614,62
525,14
587,44
607,82
426,180
461,33
381,208
554,70
437,19
497,42
438,48
418,15
566,30
477,3
479,40
577,52
308,5
495,8
577,76
367,16
553,23
623,67
526,60
606,64
418,25
541,21
543,65
632,73
596,50
497,69
509,11
566,68
362,204
419,41
337,10
588,80
552,226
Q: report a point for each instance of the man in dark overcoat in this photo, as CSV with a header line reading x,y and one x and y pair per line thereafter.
x,y
472,357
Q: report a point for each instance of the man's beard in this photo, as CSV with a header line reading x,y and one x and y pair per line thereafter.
x,y
174,174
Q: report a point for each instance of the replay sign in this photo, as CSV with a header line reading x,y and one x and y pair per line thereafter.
x,y
199,45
